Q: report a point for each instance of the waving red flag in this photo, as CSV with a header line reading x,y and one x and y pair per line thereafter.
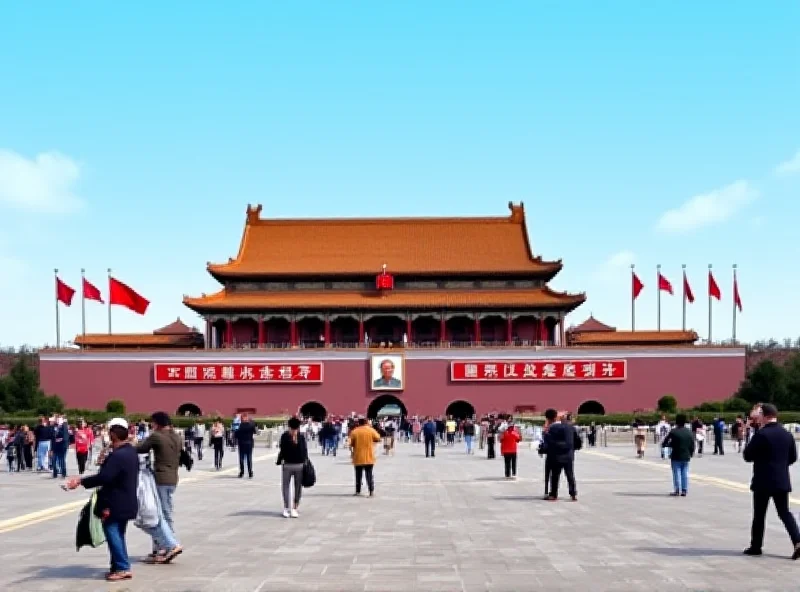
x,y
64,293
737,299
713,288
637,286
123,295
687,289
91,292
663,284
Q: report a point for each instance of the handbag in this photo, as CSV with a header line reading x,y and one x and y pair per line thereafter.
x,y
309,474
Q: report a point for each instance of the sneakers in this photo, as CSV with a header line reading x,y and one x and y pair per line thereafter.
x,y
286,512
294,514
753,552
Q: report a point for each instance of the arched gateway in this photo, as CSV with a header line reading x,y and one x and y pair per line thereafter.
x,y
314,410
386,405
591,408
460,410
189,410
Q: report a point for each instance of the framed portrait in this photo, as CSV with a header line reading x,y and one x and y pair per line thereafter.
x,y
387,372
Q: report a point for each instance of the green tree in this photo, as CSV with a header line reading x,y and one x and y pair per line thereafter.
x,y
737,405
668,404
766,383
115,406
49,405
20,388
791,374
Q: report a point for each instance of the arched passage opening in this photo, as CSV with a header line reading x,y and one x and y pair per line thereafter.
x,y
189,410
384,405
314,410
460,410
591,408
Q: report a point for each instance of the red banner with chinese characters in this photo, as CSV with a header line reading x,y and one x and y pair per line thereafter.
x,y
203,373
539,370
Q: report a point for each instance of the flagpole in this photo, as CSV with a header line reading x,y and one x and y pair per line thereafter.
x,y
709,304
633,300
735,293
109,301
83,303
684,296
58,313
658,296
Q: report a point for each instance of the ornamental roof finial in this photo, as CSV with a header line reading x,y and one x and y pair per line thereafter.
x,y
253,213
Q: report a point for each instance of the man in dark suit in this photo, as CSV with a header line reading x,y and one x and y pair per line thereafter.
x,y
771,450
560,443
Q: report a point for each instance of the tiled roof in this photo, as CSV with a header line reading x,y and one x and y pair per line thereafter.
x,y
633,338
590,325
403,299
175,328
487,245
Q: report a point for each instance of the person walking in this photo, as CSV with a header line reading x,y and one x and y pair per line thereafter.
x,y
550,417
293,455
245,440
59,447
117,503
362,446
199,433
719,436
508,448
680,444
218,442
43,434
429,433
560,443
84,439
491,435
165,445
772,450
469,435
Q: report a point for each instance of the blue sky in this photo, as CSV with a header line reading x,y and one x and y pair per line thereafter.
x,y
133,136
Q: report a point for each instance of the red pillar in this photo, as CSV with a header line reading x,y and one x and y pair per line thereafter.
x,y
293,332
541,331
228,333
442,329
478,329
360,330
509,329
327,332
261,339
208,334
408,329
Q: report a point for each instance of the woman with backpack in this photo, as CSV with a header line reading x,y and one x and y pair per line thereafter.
x,y
292,456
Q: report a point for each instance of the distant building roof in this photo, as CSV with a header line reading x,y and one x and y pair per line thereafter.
x,y
591,325
177,327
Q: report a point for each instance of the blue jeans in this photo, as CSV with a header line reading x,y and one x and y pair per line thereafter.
x,y
468,440
165,494
680,475
162,533
117,549
42,451
59,462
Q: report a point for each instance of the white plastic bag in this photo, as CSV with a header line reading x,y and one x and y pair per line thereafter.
x,y
147,494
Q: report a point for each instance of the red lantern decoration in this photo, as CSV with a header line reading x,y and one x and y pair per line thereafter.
x,y
384,281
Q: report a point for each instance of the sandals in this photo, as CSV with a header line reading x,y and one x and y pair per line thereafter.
x,y
118,576
163,557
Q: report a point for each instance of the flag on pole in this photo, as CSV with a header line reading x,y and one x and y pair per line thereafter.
x,y
123,295
713,287
687,289
637,287
664,284
737,299
91,292
64,293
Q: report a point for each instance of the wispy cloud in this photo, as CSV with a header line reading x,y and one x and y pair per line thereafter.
x,y
707,209
789,167
611,268
45,183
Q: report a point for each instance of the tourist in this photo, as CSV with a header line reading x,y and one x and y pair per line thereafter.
x,y
362,447
84,439
43,434
680,444
719,435
700,436
389,429
550,417
27,444
199,435
639,436
662,429
165,445
491,434
508,448
429,434
293,454
469,435
218,442
772,450
245,440
560,443
450,427
117,503
59,446
738,432
235,423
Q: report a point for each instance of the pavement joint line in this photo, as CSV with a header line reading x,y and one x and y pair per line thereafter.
x,y
33,518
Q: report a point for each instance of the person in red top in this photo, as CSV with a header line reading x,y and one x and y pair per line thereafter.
x,y
84,438
508,448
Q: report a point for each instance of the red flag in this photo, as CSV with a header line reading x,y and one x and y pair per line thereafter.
x,y
663,284
737,300
638,286
713,288
64,293
124,295
90,292
687,289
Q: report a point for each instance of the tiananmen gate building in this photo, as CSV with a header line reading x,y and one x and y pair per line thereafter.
x,y
434,315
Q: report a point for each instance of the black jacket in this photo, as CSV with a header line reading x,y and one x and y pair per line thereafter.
x,y
292,453
681,442
560,442
246,433
117,479
772,451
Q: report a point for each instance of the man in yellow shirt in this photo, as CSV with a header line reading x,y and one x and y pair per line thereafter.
x,y
450,426
362,450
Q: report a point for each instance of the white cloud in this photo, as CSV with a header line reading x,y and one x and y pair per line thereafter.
x,y
789,167
45,183
610,269
621,259
709,208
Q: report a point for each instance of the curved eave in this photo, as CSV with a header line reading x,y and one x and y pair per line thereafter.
x,y
640,338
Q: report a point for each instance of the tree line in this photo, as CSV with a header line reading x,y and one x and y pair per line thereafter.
x,y
20,391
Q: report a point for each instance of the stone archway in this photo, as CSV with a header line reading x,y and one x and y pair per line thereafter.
x,y
314,410
591,408
460,410
189,410
380,404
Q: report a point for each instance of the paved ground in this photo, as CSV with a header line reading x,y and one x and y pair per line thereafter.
x,y
445,524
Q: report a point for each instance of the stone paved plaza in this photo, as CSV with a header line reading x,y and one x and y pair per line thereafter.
x,y
445,524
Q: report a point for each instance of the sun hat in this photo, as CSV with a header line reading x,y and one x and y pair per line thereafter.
x,y
118,421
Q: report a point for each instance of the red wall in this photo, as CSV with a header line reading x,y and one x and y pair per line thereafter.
x,y
91,381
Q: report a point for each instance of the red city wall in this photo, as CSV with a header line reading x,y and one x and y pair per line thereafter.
x,y
428,389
